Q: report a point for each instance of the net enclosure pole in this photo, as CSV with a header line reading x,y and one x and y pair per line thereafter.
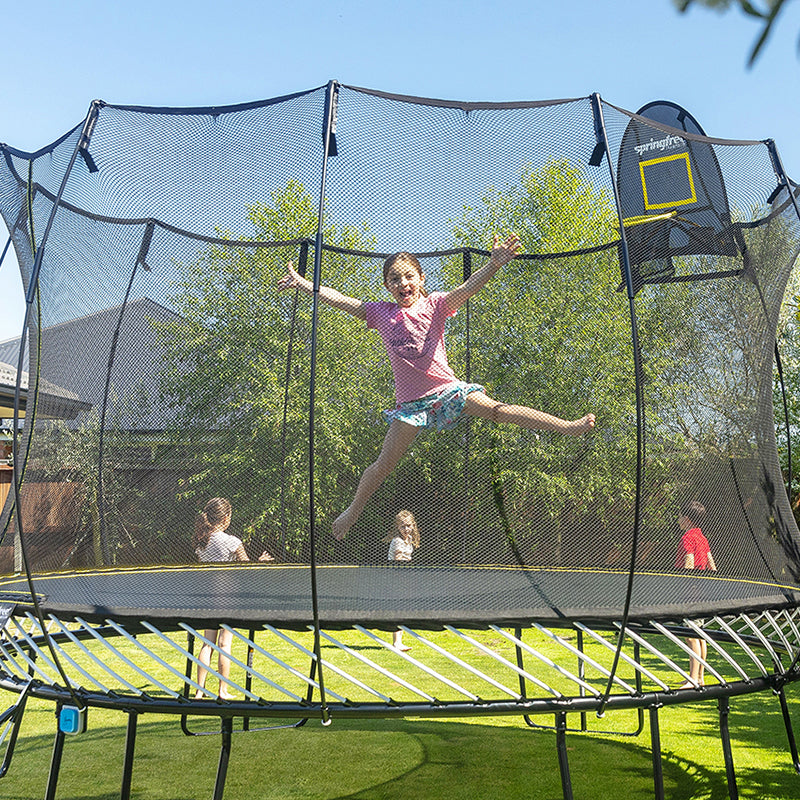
x,y
302,268
783,182
780,174
329,148
5,250
81,147
466,258
105,549
602,148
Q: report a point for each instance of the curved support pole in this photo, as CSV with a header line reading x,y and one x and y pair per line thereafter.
x,y
329,130
105,549
638,372
302,267
786,420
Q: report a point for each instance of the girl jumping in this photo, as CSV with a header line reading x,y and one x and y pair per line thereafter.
x,y
427,391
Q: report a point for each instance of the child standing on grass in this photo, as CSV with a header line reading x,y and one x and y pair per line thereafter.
x,y
428,394
694,553
403,542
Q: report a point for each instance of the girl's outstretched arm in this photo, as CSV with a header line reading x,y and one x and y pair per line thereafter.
x,y
502,253
293,280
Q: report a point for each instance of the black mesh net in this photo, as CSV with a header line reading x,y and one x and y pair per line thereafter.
x,y
167,369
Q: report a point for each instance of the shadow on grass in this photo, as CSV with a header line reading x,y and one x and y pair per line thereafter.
x,y
358,647
355,760
429,760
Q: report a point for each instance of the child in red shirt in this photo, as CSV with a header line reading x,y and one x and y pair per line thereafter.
x,y
694,553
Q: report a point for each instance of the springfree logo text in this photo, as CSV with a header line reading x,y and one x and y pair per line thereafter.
x,y
667,143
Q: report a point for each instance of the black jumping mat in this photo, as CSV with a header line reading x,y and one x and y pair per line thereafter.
x,y
382,596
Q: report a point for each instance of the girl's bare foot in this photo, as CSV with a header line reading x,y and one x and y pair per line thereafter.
x,y
341,525
224,694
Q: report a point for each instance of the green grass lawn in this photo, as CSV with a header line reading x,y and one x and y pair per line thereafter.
x,y
494,758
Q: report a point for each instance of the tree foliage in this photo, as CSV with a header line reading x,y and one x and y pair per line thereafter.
x,y
552,330
226,369
64,483
767,14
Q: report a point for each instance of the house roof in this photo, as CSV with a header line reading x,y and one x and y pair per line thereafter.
x,y
82,361
59,402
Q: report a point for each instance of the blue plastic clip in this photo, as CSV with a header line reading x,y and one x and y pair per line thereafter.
x,y
72,719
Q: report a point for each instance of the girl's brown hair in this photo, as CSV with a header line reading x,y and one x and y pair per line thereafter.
x,y
216,512
406,258
694,512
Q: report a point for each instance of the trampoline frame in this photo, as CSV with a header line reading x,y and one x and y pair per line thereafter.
x,y
754,649
32,660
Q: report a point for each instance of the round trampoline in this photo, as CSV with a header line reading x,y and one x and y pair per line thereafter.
x,y
379,596
168,360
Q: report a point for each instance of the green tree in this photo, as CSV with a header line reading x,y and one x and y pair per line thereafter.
x,y
767,14
64,469
789,350
244,429
552,330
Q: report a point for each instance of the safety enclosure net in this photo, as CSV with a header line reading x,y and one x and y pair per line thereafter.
x,y
165,368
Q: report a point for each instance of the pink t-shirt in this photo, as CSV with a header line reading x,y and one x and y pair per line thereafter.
x,y
414,340
694,542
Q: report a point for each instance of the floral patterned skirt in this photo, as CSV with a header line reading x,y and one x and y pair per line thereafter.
x,y
440,410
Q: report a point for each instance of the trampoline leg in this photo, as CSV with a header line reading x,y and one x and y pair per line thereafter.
x,y
582,676
127,767
561,747
724,712
787,721
224,756
55,765
251,635
655,747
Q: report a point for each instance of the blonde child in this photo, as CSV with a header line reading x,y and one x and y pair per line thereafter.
x,y
212,543
403,541
427,392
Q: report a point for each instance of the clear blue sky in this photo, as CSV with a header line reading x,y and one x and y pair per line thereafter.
x,y
59,56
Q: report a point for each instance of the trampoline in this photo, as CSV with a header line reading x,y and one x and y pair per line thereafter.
x,y
422,597
164,368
